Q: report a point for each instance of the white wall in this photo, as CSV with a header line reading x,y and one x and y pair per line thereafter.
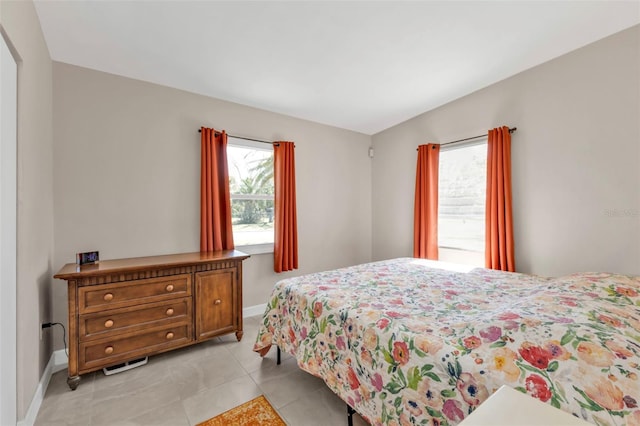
x,y
126,176
575,157
21,26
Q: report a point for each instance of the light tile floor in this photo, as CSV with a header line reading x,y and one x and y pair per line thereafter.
x,y
190,385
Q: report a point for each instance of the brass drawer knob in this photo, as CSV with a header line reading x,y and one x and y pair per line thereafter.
x,y
169,288
108,297
217,302
169,311
108,323
108,350
169,336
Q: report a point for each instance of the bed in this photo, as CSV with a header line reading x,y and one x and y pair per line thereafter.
x,y
411,341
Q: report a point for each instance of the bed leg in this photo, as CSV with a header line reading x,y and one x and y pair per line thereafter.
x,y
350,412
278,356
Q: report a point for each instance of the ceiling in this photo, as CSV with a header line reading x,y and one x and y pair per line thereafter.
x,y
359,65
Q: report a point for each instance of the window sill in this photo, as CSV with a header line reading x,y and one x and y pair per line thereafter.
x,y
256,248
465,257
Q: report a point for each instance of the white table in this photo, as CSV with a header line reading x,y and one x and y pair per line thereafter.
x,y
508,407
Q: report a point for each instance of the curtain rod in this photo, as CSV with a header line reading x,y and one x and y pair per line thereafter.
x,y
246,139
511,130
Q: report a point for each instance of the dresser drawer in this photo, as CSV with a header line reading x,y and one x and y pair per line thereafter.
x,y
129,293
105,352
134,318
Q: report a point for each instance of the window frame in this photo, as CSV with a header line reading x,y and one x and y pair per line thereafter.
x,y
264,248
459,254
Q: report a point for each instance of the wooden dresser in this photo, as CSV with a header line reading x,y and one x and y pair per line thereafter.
x,y
124,309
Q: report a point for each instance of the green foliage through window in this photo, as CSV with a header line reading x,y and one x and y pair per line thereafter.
x,y
252,193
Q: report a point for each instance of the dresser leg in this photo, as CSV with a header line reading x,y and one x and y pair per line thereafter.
x,y
239,335
73,382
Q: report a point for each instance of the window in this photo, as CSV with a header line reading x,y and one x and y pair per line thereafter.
x,y
462,197
252,200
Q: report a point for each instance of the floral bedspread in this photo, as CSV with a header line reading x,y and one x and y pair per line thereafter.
x,y
405,342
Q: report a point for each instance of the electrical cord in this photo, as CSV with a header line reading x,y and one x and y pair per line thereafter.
x,y
64,334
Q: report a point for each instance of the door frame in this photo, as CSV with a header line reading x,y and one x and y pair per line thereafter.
x,y
8,230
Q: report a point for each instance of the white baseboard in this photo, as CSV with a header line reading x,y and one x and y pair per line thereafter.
x,y
57,362
252,311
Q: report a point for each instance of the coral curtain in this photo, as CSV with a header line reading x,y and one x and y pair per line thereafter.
x,y
499,250
285,250
425,224
215,200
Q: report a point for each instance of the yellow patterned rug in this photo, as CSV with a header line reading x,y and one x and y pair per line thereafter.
x,y
257,412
